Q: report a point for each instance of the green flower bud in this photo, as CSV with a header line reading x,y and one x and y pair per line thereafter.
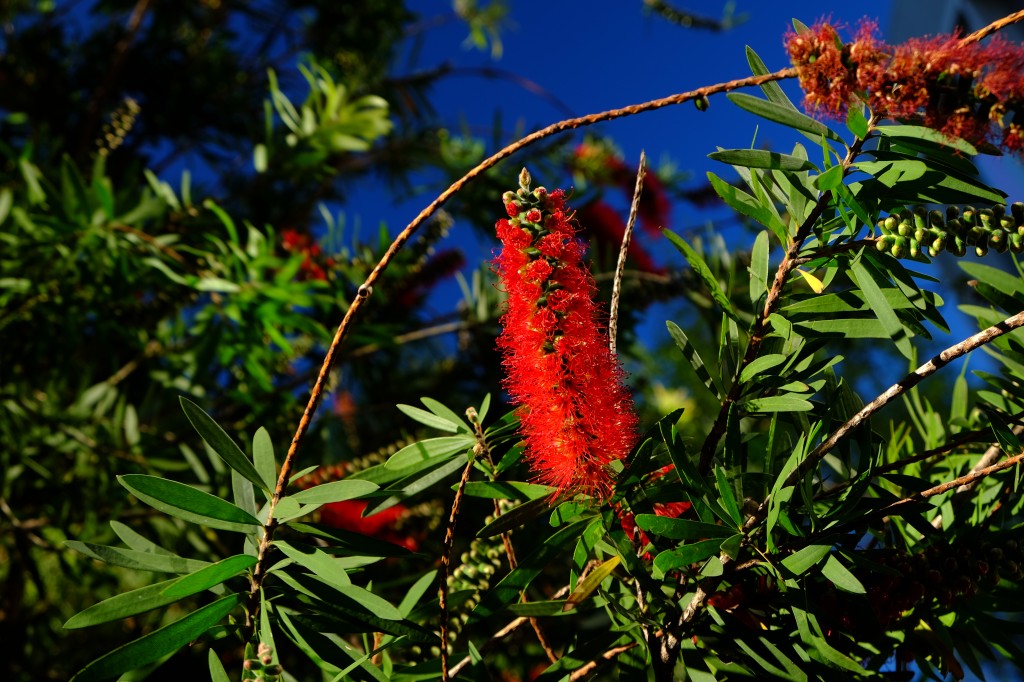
x,y
889,224
981,249
935,219
998,211
975,234
987,218
1016,242
958,247
939,244
998,241
702,103
970,215
899,247
920,214
955,226
915,248
920,234
905,229
952,213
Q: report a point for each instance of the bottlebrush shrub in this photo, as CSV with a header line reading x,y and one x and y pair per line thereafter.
x,y
799,530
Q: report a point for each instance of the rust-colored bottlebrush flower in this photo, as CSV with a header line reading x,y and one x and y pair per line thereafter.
x,y
970,90
575,413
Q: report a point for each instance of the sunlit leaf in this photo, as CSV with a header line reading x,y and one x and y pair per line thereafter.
x,y
185,502
221,443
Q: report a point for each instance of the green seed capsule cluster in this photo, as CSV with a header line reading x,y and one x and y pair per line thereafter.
x,y
909,233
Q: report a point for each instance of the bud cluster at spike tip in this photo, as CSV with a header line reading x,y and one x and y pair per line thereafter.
x,y
974,91
575,412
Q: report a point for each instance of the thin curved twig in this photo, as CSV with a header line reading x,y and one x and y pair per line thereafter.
x,y
620,267
997,25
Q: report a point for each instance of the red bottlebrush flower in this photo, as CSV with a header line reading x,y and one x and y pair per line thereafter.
x,y
575,413
970,90
607,228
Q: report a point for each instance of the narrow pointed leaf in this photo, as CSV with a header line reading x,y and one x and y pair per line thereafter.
x,y
690,553
185,502
760,365
772,90
222,443
263,458
428,418
430,449
761,158
805,558
777,403
134,559
123,605
691,354
743,203
516,517
759,267
841,577
159,643
880,306
336,491
211,575
217,671
591,583
703,271
780,113
727,496
681,529
137,542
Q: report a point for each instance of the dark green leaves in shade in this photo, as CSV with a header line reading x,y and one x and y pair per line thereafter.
x,y
160,594
222,444
783,114
185,502
691,354
136,560
512,585
680,529
841,577
761,158
703,271
515,517
508,490
159,643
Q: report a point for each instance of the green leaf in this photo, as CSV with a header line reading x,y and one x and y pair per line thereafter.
x,y
703,271
185,502
211,575
743,203
776,403
779,113
437,449
772,90
591,583
728,497
856,122
512,585
830,179
680,529
217,671
263,458
673,559
760,365
135,541
446,413
416,484
221,443
761,158
123,605
922,133
880,305
809,556
429,418
759,267
507,490
136,560
335,491
841,577
691,354
731,546
328,568
159,643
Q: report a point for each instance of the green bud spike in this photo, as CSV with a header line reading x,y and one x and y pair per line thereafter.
x,y
986,216
935,219
969,215
998,211
920,234
955,226
883,243
920,216
904,229
939,245
1017,210
915,248
1016,242
958,247
952,213
889,224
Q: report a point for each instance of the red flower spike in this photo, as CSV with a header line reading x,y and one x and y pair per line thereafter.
x,y
575,413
